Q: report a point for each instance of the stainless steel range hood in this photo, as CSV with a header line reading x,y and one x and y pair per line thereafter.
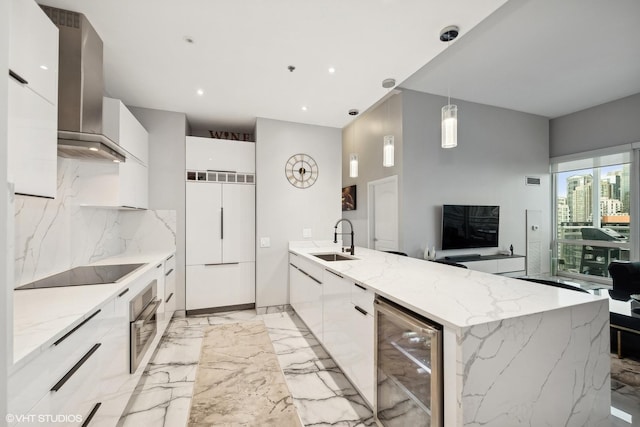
x,y
80,90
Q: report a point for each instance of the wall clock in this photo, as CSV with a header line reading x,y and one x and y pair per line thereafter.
x,y
301,170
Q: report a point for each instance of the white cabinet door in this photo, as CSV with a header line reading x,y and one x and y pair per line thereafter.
x,y
220,154
220,285
33,49
32,141
238,204
121,126
361,362
312,289
203,223
296,294
336,306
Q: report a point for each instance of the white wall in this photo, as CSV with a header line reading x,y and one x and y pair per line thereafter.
x,y
167,132
497,149
364,136
6,215
282,211
607,125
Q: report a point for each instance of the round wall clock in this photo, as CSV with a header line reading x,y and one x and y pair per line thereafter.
x,y
301,170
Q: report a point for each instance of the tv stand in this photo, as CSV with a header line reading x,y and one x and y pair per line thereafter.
x,y
462,258
508,265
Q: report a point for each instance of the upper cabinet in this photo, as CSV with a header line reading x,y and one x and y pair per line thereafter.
x,y
121,185
236,156
33,100
33,52
124,129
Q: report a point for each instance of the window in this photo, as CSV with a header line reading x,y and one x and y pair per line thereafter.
x,y
592,218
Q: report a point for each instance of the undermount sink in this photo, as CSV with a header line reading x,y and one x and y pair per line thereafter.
x,y
334,257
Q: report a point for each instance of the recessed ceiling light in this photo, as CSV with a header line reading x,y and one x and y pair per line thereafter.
x,y
332,70
116,161
200,92
354,112
304,108
44,67
93,149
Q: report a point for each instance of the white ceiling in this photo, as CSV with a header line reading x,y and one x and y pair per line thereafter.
x,y
545,57
243,47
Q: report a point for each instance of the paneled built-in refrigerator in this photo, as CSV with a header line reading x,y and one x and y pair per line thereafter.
x,y
220,236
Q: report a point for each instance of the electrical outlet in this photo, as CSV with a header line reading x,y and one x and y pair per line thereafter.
x,y
306,233
265,242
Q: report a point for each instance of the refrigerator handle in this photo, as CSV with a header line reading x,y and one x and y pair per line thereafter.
x,y
222,223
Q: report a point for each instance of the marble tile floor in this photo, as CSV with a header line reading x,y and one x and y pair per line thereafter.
x,y
321,393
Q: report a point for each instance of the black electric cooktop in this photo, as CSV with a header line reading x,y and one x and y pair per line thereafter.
x,y
88,275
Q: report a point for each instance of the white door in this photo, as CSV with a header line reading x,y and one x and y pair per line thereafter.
x,y
204,223
238,204
383,214
534,242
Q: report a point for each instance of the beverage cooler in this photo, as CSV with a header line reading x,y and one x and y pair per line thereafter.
x,y
409,389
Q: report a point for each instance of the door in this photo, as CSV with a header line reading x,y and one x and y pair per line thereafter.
x,y
204,223
534,242
238,242
383,214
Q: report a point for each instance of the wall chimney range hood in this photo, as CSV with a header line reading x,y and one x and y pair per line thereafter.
x,y
80,90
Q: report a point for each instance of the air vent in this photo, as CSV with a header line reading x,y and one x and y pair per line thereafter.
x,y
532,180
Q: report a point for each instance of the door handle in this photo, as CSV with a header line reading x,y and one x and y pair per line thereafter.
x,y
222,223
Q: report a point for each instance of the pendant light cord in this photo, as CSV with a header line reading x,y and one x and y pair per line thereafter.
x,y
448,78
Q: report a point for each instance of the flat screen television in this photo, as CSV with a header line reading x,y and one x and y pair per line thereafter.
x,y
470,226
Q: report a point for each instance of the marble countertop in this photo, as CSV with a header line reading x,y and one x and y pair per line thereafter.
x,y
451,296
41,316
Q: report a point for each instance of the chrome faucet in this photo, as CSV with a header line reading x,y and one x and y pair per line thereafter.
x,y
335,234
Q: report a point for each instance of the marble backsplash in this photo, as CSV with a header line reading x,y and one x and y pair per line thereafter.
x,y
53,235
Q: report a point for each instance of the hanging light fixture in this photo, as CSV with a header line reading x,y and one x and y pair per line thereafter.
x,y
449,111
388,140
353,157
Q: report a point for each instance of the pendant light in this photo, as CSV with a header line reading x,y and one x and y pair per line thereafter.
x,y
388,140
353,157
449,111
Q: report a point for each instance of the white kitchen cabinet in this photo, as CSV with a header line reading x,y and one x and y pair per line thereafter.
x,y
348,330
220,285
33,100
220,154
306,288
124,185
32,136
336,308
33,49
220,229
121,126
169,287
31,386
360,368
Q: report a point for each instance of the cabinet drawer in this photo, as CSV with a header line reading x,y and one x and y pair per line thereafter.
x,y
311,268
34,380
506,265
77,396
220,285
362,297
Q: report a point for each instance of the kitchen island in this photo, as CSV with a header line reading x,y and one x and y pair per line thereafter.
x,y
514,352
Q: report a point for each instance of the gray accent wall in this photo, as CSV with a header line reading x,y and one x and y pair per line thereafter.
x,y
283,211
364,136
606,125
167,131
497,149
